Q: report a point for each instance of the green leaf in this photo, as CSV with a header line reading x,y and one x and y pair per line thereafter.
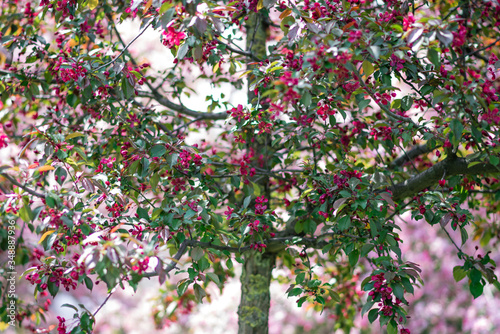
x,y
53,288
362,104
127,89
406,103
72,100
475,275
50,201
367,307
214,278
353,257
434,58
398,291
85,322
157,151
246,202
197,253
426,89
189,214
299,227
70,306
306,99
344,223
365,249
373,315
25,213
164,7
374,51
459,273
155,178
367,68
327,248
494,160
335,296
476,133
88,283
182,286
256,189
464,235
300,278
391,329
235,181
476,289
473,164
301,301
143,213
314,283
295,292
320,300
456,128
183,49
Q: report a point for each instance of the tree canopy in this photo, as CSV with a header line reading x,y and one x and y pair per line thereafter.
x,y
354,113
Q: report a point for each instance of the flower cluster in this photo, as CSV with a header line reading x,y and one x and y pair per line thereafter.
x,y
381,132
238,113
141,266
186,158
228,212
382,292
73,73
259,206
178,183
258,247
172,37
4,140
61,328
354,35
116,209
55,276
396,62
108,162
324,110
318,11
254,227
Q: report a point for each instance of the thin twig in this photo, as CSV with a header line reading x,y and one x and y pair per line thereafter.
x,y
384,108
126,47
479,50
241,52
105,300
32,192
449,237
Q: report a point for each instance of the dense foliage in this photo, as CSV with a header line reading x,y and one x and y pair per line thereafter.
x,y
355,113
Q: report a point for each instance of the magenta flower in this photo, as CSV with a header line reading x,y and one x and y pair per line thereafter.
x,y
173,37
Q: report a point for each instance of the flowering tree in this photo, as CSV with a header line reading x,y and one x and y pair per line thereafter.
x,y
356,113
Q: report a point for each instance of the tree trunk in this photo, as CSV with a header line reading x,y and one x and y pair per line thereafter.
x,y
253,311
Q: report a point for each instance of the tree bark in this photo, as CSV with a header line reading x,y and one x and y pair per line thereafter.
x,y
450,166
253,311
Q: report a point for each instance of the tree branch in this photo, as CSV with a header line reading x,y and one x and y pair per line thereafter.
x,y
126,47
181,109
274,245
479,50
28,190
410,155
384,108
177,256
159,97
241,52
452,165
